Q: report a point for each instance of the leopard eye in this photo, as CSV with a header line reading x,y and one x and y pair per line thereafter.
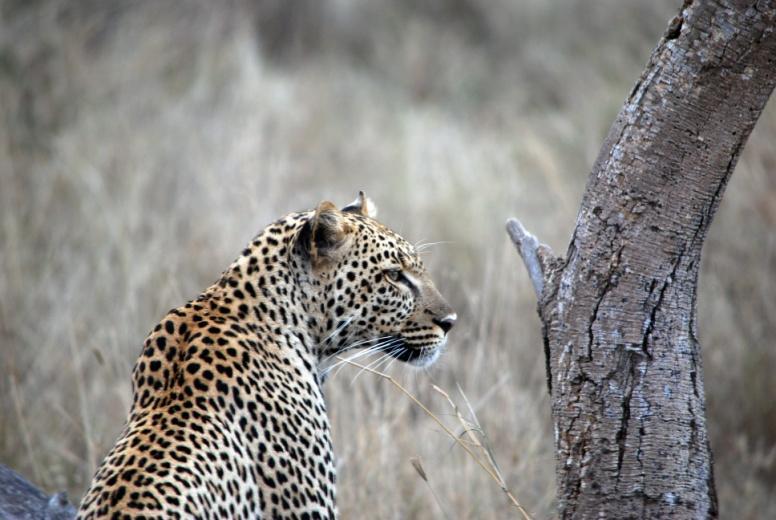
x,y
396,275
393,274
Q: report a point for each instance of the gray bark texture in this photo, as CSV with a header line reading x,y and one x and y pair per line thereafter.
x,y
619,310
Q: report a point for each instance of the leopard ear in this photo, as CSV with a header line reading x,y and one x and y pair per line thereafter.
x,y
325,237
363,205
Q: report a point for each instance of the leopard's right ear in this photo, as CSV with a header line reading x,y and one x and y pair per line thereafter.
x,y
363,205
325,237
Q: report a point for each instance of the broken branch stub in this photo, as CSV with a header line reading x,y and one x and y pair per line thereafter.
x,y
536,256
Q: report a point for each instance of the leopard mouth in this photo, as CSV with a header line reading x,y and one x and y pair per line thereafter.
x,y
419,356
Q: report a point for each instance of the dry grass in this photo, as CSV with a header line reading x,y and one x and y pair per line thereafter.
x,y
143,143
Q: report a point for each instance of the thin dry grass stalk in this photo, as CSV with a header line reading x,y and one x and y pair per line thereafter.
x,y
469,429
418,466
489,465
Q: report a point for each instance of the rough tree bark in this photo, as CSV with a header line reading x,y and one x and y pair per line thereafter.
x,y
618,311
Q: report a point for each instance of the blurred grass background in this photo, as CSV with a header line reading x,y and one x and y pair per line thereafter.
x,y
143,143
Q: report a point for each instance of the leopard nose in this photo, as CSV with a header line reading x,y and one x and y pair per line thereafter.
x,y
446,323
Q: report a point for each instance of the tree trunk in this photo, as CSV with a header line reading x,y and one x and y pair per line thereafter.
x,y
619,311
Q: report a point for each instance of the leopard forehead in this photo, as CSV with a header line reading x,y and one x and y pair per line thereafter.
x,y
374,238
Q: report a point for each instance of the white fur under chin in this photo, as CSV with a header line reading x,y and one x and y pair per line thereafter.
x,y
429,359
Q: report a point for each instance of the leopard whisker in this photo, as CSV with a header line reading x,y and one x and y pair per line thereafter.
x,y
388,366
423,247
365,354
352,346
367,351
389,360
372,366
337,330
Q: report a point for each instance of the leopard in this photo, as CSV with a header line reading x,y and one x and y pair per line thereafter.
x,y
228,417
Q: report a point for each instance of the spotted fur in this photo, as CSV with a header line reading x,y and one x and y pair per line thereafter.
x,y
228,418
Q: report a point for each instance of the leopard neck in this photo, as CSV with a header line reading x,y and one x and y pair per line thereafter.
x,y
269,291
